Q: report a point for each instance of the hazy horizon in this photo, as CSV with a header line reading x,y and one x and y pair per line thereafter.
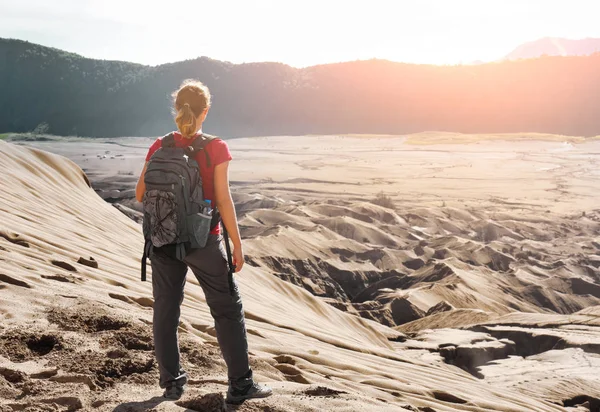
x,y
300,35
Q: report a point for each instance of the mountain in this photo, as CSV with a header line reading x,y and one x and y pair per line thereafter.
x,y
80,96
554,46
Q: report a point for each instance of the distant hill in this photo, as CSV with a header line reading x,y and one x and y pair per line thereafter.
x,y
80,96
553,46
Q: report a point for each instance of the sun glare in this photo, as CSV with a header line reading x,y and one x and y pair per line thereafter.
x,y
298,33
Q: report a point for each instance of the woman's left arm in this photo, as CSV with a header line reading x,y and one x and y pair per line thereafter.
x,y
224,203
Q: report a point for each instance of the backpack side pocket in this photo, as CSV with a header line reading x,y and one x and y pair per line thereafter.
x,y
199,227
160,210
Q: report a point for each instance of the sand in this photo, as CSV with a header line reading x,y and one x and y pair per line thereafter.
x,y
477,291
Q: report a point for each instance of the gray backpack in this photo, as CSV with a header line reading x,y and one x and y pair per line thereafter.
x,y
175,212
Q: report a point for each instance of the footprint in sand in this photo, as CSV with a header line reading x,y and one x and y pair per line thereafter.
x,y
64,265
447,397
323,391
286,359
212,402
70,403
59,278
210,330
291,373
116,283
12,376
132,338
14,239
255,333
19,346
47,374
144,302
85,379
87,319
12,281
91,262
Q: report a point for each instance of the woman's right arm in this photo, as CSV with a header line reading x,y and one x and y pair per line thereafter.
x,y
140,187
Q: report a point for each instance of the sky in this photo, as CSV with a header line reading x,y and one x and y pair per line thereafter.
x,y
298,33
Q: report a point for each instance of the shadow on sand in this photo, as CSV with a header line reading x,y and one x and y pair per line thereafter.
x,y
140,406
191,405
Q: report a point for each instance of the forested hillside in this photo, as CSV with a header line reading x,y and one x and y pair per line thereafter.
x,y
79,96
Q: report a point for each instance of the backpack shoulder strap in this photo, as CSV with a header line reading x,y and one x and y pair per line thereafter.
x,y
200,143
168,140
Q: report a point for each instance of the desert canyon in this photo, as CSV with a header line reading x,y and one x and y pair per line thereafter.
x,y
433,272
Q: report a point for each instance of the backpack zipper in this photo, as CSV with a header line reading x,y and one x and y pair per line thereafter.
x,y
170,185
170,161
164,171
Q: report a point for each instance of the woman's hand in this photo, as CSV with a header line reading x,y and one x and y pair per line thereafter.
x,y
238,258
227,210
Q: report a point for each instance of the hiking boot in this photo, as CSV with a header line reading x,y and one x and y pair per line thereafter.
x,y
173,392
251,391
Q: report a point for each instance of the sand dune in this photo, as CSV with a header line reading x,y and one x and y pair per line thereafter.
x,y
328,274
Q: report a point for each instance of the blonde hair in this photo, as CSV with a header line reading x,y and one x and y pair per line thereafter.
x,y
190,100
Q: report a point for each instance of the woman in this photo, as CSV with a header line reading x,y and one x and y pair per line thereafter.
x,y
209,264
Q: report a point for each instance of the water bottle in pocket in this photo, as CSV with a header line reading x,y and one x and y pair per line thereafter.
x,y
199,226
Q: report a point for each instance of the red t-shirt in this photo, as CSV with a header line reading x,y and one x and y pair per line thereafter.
x,y
217,150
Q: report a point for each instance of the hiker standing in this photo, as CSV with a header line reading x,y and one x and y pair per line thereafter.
x,y
173,244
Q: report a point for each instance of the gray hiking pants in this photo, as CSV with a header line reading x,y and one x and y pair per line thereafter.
x,y
168,280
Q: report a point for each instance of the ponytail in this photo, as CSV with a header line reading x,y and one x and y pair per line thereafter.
x,y
191,100
186,121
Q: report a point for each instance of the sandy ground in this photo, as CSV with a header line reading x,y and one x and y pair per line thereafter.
x,y
554,174
478,290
